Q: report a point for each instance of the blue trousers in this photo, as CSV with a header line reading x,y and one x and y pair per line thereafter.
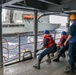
x,y
62,50
47,51
72,53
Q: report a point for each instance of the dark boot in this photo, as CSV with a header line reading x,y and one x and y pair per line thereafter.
x,y
69,69
63,55
56,60
37,65
49,59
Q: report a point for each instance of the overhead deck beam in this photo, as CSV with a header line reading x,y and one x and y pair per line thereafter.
x,y
10,2
17,4
36,4
66,1
19,8
53,2
21,5
69,6
4,1
41,5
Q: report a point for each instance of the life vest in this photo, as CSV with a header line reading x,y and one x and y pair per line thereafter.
x,y
50,42
65,37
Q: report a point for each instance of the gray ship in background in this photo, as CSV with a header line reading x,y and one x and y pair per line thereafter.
x,y
15,21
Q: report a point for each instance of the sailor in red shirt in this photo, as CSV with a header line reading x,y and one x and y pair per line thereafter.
x,y
49,46
62,47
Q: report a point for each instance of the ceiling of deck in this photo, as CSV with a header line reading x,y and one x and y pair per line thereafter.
x,y
42,5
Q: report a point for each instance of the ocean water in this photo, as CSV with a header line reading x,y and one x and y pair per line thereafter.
x,y
11,44
61,28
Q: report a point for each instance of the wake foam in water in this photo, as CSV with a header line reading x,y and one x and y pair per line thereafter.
x,y
10,43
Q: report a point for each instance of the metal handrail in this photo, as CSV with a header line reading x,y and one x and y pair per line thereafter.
x,y
11,59
9,40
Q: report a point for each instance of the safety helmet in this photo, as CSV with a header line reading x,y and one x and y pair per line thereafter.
x,y
46,32
73,17
63,33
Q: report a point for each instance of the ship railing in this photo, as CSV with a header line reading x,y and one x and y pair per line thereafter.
x,y
6,58
8,62
17,56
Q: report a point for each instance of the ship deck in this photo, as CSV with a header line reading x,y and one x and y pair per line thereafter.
x,y
26,68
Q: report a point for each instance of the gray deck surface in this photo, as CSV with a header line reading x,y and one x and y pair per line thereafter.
x,y
26,68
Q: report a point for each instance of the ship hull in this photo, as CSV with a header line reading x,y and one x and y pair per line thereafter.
x,y
27,28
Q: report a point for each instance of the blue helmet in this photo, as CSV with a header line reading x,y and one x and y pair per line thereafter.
x,y
63,33
46,32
